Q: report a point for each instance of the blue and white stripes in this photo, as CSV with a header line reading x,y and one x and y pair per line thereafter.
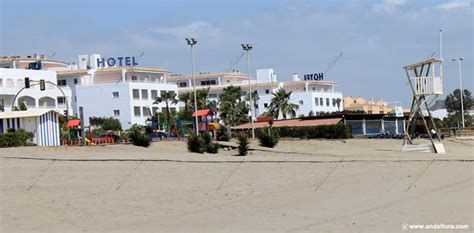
x,y
44,124
9,123
48,130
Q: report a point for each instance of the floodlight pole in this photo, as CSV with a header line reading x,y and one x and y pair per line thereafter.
x,y
192,42
462,91
247,48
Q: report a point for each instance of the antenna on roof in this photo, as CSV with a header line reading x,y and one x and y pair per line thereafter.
x,y
140,56
334,62
432,55
237,59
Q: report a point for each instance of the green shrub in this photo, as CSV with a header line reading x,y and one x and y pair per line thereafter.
x,y
213,148
267,138
13,138
244,142
111,124
196,143
206,137
138,137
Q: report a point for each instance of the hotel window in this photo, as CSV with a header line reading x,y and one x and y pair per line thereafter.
x,y
321,103
136,111
62,83
316,101
183,84
136,94
265,105
267,91
334,102
75,81
134,78
116,113
115,94
154,94
61,100
208,82
144,94
327,102
145,111
301,102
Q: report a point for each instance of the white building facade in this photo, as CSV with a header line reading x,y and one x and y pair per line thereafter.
x,y
14,70
127,93
312,97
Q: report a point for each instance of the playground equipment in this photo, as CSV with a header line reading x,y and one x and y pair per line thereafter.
x,y
204,117
426,87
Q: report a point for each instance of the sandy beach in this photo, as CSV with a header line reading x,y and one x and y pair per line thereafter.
x,y
299,186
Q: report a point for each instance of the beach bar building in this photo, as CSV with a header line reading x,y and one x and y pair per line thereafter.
x,y
43,123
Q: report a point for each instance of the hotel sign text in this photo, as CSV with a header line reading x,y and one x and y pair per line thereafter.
x,y
315,77
119,61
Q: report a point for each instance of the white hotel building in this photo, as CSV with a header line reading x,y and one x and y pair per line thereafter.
x,y
13,71
310,96
126,93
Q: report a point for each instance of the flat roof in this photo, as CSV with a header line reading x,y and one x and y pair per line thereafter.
x,y
32,59
287,83
27,113
209,75
113,69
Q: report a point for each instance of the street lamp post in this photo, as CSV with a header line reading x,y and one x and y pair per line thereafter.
x,y
192,42
247,48
462,91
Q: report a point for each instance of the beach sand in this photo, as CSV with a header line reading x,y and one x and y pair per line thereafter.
x,y
299,186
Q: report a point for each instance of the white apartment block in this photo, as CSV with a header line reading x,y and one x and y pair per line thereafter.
x,y
127,93
14,70
310,95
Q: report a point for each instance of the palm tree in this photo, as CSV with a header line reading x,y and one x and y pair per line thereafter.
x,y
233,109
186,98
281,103
167,97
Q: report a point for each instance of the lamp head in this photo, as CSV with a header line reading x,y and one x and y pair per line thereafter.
x,y
191,41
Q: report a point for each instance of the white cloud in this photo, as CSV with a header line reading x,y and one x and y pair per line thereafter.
x,y
389,5
454,4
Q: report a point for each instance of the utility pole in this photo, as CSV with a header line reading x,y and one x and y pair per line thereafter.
x,y
460,86
247,48
192,42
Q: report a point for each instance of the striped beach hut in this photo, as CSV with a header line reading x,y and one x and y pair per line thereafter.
x,y
43,123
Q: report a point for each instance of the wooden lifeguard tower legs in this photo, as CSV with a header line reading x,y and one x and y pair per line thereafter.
x,y
423,86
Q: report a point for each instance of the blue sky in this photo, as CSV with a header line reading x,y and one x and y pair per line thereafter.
x,y
377,37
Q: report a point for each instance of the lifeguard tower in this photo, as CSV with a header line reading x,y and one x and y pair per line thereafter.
x,y
426,87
